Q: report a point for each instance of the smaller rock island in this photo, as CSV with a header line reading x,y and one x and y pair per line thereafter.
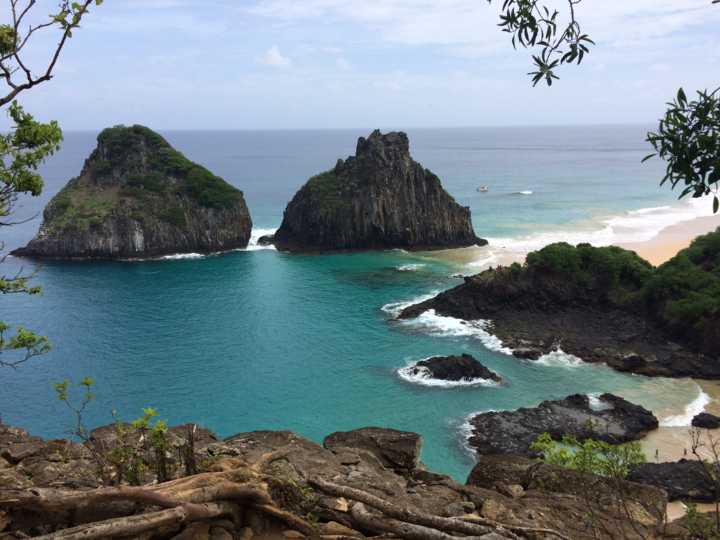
x,y
378,199
455,368
138,197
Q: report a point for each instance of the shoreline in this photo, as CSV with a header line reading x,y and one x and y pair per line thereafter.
x,y
672,239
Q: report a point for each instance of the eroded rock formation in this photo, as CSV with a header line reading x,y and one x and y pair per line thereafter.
x,y
378,199
138,197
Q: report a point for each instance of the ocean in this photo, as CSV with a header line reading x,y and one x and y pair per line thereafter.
x,y
258,339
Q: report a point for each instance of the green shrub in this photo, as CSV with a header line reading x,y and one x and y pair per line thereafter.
x,y
590,456
210,190
152,182
174,216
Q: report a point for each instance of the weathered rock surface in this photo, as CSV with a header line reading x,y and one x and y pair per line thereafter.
x,y
706,421
684,480
290,464
452,368
609,418
378,199
399,450
138,197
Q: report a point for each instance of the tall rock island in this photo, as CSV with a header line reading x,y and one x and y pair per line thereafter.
x,y
378,199
139,197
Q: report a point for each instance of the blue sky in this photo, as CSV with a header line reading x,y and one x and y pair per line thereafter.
x,y
268,64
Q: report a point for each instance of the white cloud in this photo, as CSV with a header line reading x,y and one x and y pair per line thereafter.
x,y
274,58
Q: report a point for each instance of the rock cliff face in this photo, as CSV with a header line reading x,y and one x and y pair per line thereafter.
x,y
138,197
380,198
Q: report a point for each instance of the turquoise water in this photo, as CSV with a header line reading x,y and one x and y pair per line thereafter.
x,y
264,340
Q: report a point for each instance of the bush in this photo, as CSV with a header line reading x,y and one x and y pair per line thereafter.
x,y
174,216
210,190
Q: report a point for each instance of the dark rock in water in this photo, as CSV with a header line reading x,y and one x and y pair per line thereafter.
x,y
378,199
453,368
682,480
138,197
267,240
706,421
396,449
610,419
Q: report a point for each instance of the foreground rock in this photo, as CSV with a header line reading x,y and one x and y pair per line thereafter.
x,y
452,368
683,480
607,418
378,199
602,305
267,483
138,197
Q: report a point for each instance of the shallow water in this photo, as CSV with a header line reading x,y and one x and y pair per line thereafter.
x,y
259,339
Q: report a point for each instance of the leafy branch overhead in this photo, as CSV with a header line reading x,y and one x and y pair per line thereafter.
x,y
535,26
688,139
16,36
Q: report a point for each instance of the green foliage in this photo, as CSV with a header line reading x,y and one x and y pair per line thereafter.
x,y
590,456
685,291
326,191
125,146
612,272
700,526
174,216
18,348
23,149
688,138
8,35
150,182
535,26
210,190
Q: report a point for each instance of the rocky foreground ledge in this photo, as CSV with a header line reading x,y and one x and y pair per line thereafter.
x,y
380,198
275,484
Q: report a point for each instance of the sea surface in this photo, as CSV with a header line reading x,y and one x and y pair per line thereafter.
x,y
258,339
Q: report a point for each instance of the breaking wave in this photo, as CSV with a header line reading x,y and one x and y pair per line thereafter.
x,y
410,267
255,236
559,358
691,410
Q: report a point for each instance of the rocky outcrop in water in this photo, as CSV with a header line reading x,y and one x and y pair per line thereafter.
x,y
378,199
453,368
608,418
602,305
138,197
706,421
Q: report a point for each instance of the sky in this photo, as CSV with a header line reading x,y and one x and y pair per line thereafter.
x,y
275,64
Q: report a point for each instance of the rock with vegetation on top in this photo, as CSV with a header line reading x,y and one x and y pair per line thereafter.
x,y
607,418
139,197
378,199
602,305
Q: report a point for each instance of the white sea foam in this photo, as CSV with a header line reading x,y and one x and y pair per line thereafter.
x,y
410,267
439,325
395,308
691,410
421,375
181,256
255,236
559,358
524,192
632,226
596,404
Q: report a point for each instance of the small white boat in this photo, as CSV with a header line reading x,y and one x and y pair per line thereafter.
x,y
483,189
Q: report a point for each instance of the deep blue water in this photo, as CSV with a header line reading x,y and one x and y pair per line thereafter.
x,y
265,340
